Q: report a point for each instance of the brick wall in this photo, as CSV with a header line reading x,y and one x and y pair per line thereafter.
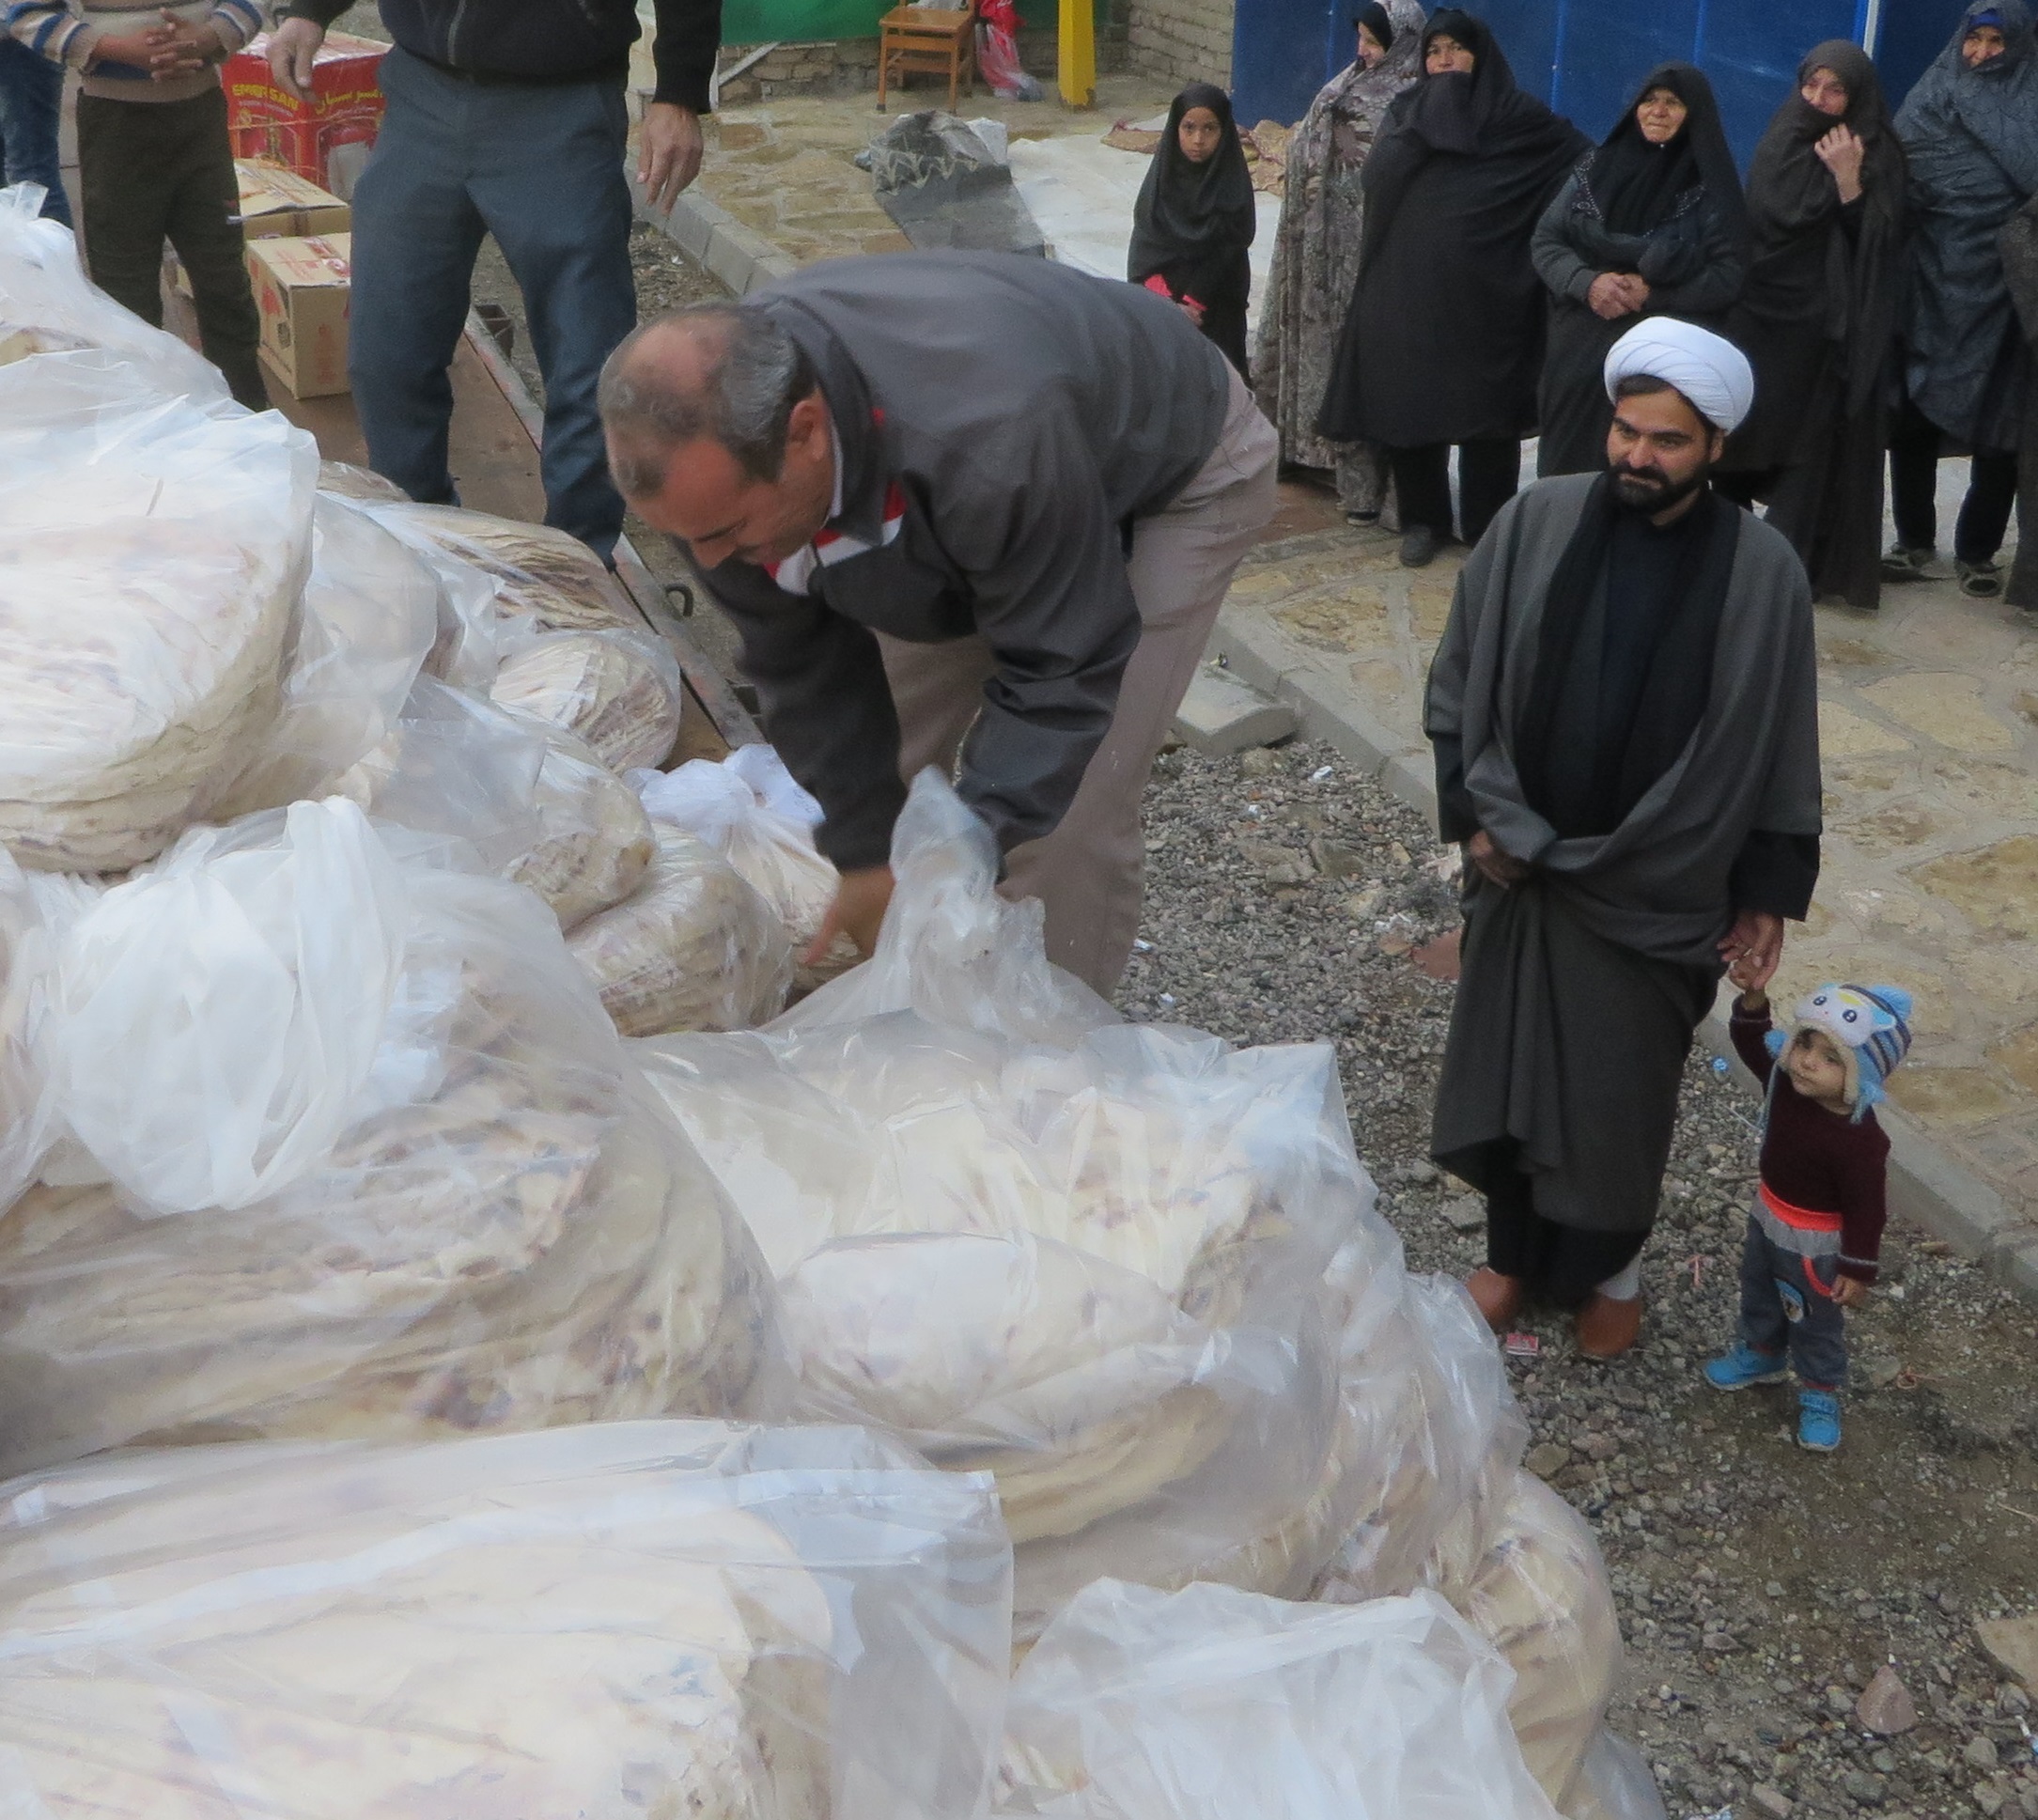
x,y
1180,41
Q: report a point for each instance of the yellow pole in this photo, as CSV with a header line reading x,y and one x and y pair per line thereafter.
x,y
1075,56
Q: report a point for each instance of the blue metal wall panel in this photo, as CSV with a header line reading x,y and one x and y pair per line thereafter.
x,y
1584,56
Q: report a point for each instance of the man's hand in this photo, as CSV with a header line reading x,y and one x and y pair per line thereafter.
x,y
668,153
1751,949
1501,868
1849,1292
857,913
1608,297
292,48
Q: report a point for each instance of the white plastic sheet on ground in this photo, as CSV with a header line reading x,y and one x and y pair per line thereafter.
x,y
627,1621
150,559
1026,1237
49,307
471,1212
1080,192
1210,1703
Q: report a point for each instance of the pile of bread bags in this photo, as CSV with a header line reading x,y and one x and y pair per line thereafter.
x,y
422,1400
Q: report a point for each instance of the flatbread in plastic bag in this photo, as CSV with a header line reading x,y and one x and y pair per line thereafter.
x,y
1209,1703
609,1623
1030,1239
594,841
539,573
618,690
1540,1595
691,948
456,1206
150,557
48,306
749,809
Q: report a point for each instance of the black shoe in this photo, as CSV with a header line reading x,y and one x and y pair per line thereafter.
x,y
1980,581
1418,547
1366,520
1902,563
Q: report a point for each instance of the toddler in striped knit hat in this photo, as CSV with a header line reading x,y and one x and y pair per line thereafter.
x,y
1815,1233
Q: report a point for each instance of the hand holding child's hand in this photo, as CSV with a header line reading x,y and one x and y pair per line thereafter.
x,y
1850,1292
1746,972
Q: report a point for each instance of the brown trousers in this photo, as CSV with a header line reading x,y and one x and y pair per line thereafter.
x,y
153,171
1090,871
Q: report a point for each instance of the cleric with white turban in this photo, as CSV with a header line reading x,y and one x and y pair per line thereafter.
x,y
1710,372
1625,715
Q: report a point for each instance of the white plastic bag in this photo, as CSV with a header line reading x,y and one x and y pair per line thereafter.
x,y
508,1231
752,812
216,1017
605,1623
365,622
457,765
618,689
691,948
1617,1784
49,307
1540,1595
150,557
1210,1703
1029,1239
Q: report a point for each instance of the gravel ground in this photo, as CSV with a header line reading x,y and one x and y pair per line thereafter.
x,y
1760,1587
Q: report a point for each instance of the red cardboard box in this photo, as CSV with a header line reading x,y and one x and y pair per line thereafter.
x,y
266,122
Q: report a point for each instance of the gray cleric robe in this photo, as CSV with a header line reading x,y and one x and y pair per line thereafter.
x,y
1581,986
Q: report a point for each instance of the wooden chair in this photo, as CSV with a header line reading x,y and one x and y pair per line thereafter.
x,y
927,38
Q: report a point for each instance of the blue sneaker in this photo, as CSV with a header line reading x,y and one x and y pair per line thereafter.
x,y
1818,1421
1744,1367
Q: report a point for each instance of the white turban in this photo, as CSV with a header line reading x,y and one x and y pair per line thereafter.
x,y
1710,371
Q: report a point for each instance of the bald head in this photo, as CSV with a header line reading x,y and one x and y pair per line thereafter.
x,y
712,373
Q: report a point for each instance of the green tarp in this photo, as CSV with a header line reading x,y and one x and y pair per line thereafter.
x,y
759,21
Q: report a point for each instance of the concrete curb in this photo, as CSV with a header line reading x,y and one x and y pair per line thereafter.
x,y
1926,1185
740,256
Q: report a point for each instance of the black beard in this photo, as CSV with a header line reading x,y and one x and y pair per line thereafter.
x,y
1659,498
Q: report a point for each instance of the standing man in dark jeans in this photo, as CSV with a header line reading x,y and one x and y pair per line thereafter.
x,y
508,119
31,101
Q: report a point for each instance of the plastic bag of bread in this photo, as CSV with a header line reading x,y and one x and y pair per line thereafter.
x,y
150,556
539,574
1421,1396
49,307
619,690
1540,1595
365,623
454,764
443,1200
1617,1784
1209,1703
606,1623
691,948
1031,1240
750,810
593,840
342,480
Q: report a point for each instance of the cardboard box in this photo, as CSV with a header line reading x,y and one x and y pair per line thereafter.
x,y
279,205
276,204
303,288
268,122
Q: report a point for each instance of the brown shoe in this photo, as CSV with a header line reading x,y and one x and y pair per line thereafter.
x,y
1499,1297
1606,1328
